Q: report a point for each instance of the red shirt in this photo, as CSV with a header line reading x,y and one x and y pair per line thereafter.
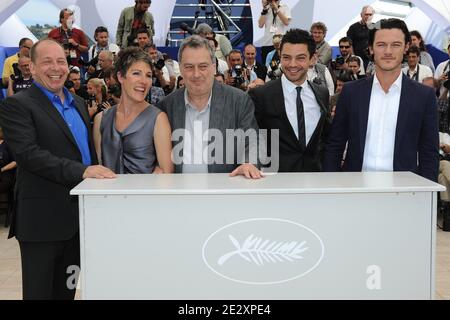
x,y
77,35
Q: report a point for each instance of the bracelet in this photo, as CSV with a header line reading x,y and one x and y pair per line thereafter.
x,y
264,12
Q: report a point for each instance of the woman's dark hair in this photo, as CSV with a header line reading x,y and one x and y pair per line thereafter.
x,y
299,36
127,57
417,34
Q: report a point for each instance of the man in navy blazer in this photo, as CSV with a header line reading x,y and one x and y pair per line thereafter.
x,y
389,121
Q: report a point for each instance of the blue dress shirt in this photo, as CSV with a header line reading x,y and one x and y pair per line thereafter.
x,y
69,113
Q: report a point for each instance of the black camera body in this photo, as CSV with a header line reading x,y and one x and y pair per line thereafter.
x,y
338,63
340,60
92,63
69,84
17,75
446,83
115,90
239,76
159,64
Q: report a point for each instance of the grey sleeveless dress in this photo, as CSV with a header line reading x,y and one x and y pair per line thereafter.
x,y
133,150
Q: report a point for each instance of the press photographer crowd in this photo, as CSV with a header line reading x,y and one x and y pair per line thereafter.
x,y
76,111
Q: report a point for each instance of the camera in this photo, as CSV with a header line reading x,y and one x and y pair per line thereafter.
x,y
276,72
159,64
446,83
92,63
340,60
17,75
338,63
115,90
239,76
69,84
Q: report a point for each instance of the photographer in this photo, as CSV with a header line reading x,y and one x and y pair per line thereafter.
x,y
161,77
131,20
25,45
74,81
97,100
275,18
21,79
105,60
74,38
443,76
238,76
101,36
340,64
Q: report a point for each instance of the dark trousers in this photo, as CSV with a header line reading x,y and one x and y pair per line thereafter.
x,y
264,52
45,269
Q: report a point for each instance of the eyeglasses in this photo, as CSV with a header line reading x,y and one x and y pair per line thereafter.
x,y
344,47
26,47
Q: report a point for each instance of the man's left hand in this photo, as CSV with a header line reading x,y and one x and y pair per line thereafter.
x,y
248,170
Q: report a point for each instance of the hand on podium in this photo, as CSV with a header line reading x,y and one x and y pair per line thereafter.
x,y
98,172
248,170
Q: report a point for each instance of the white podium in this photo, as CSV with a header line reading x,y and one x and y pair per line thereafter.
x,y
287,236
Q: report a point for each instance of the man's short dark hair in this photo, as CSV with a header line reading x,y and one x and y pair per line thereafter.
x,y
346,39
236,51
299,36
413,49
127,57
22,41
100,30
149,46
143,30
392,23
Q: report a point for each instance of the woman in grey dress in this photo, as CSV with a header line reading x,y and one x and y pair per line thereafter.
x,y
134,136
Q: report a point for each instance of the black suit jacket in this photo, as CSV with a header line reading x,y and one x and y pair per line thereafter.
x,y
270,113
416,147
49,165
260,70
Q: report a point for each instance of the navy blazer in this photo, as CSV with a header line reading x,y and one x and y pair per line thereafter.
x,y
416,146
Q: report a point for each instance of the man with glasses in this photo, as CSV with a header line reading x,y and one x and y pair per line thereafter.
x,y
133,19
359,33
340,65
11,63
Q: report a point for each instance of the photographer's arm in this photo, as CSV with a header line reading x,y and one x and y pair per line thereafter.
x,y
283,17
10,91
263,16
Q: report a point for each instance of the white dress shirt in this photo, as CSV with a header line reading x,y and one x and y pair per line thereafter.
x,y
310,106
381,126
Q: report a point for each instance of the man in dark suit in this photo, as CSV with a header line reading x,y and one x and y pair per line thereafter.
x,y
202,114
49,133
251,64
389,121
298,108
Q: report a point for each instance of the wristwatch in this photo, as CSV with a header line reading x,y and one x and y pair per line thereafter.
x,y
264,12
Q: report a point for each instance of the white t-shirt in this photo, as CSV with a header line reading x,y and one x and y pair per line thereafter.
x,y
278,27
